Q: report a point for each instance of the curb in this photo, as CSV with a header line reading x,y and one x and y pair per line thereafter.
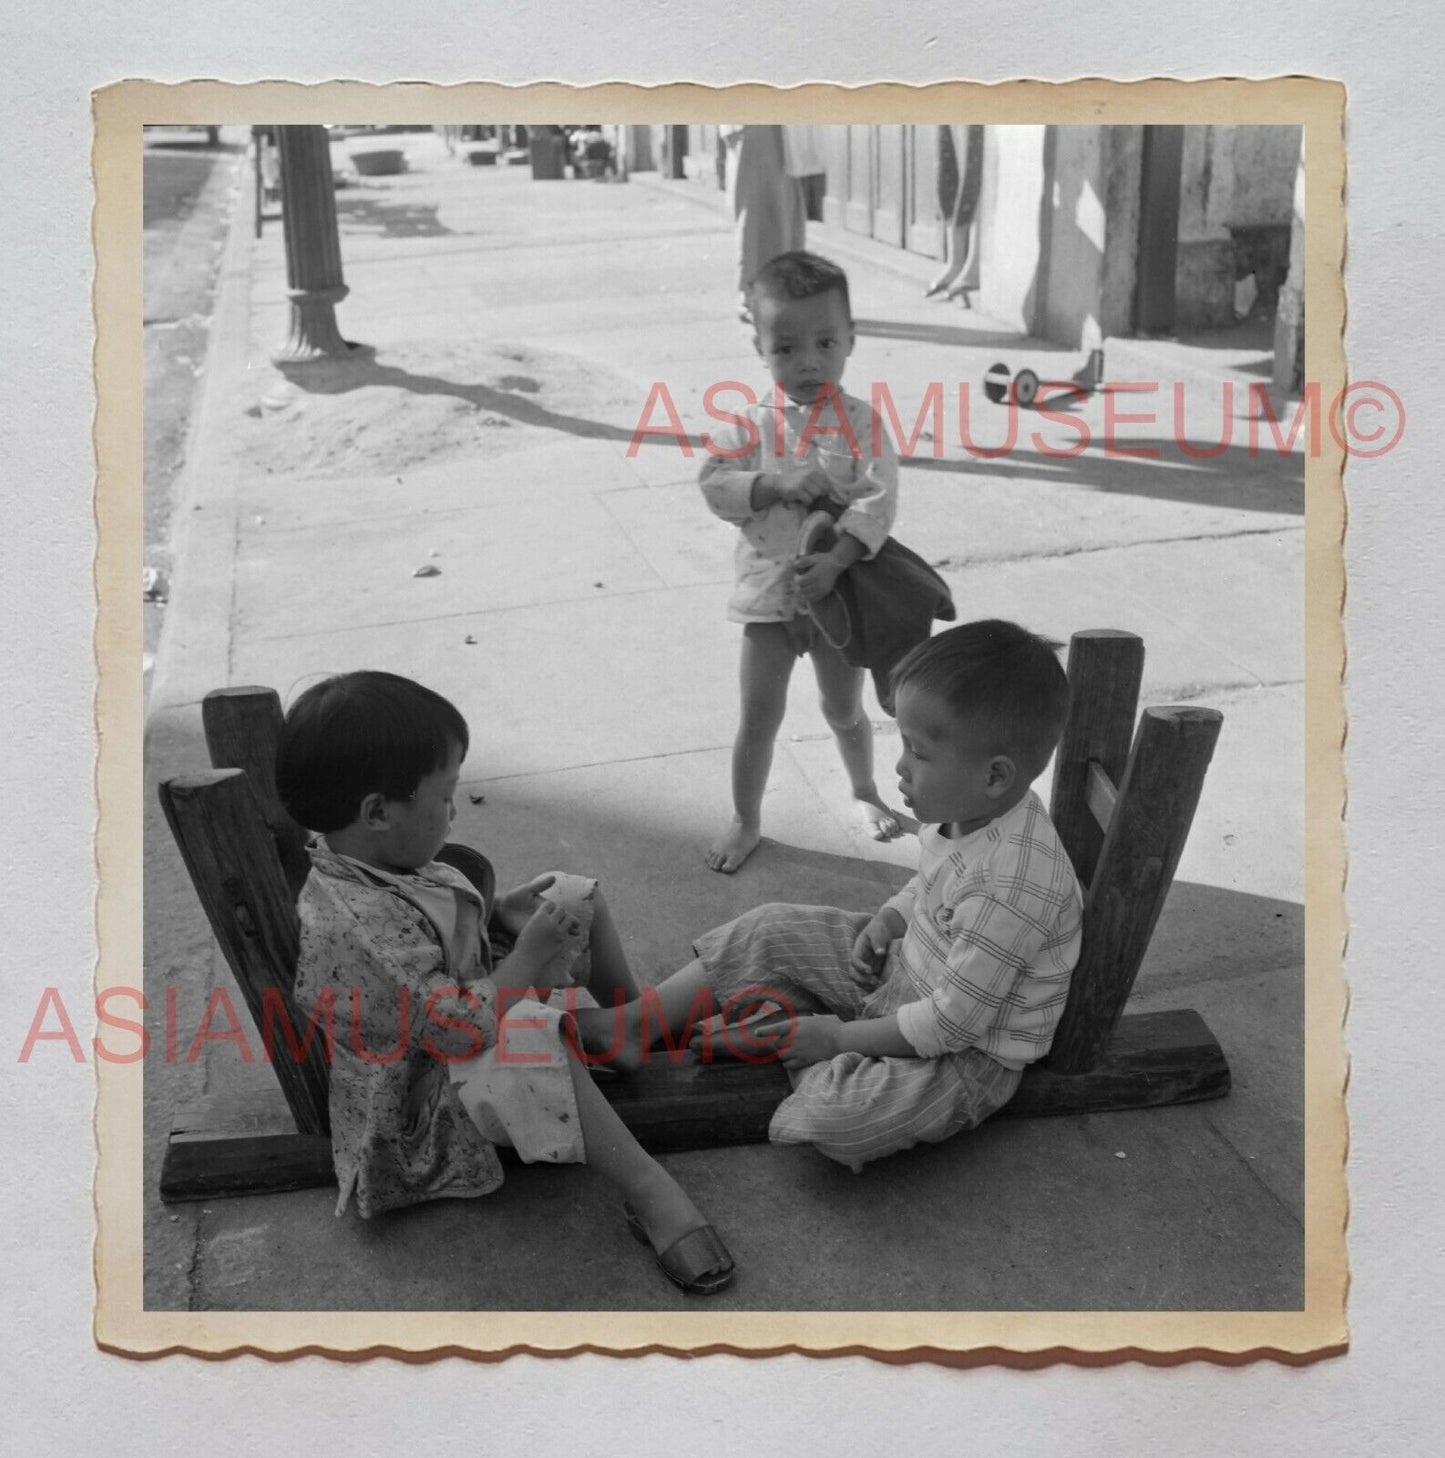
x,y
193,650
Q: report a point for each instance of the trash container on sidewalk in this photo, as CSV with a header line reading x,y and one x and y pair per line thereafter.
x,y
549,153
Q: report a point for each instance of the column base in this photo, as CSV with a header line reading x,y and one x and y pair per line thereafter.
x,y
314,335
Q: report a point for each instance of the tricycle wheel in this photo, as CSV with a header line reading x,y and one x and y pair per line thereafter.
x,y
995,383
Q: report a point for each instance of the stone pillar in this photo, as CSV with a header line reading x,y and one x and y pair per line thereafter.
x,y
313,247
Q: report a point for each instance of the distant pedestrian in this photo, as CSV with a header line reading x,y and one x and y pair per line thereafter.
x,y
960,182
767,200
766,475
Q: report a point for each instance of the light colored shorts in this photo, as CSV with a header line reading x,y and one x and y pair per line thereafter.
x,y
519,1093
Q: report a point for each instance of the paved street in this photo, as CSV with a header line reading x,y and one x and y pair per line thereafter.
x,y
188,191
519,329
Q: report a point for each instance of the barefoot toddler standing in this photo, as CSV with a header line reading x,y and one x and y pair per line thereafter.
x,y
806,447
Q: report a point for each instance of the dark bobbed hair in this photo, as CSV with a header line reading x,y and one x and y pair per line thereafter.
x,y
999,678
800,275
360,733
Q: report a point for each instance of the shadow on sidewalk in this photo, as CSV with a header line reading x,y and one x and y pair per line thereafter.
x,y
1238,477
341,376
390,220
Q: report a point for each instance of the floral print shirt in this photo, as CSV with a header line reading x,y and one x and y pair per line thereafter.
x,y
410,997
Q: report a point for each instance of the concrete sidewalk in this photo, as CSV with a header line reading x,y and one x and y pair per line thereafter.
x,y
577,620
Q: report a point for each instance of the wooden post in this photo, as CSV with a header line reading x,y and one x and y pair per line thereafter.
x,y
1147,830
313,247
231,855
1106,668
243,728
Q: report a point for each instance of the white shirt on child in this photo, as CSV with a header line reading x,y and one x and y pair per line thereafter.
x,y
993,932
864,486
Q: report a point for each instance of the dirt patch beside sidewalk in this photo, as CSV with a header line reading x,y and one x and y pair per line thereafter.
x,y
425,403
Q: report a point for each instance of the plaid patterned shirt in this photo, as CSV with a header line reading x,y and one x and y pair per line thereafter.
x,y
994,925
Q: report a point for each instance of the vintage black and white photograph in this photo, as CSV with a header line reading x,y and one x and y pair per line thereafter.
x,y
728,722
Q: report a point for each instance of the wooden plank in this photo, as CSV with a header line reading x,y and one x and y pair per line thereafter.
x,y
231,856
232,1115
240,1163
1154,1059
243,728
242,1146
1100,794
1106,668
694,1105
1155,807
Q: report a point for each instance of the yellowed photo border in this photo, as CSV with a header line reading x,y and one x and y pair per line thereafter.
x,y
1026,1338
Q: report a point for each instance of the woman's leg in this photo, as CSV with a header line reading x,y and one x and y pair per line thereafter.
x,y
950,200
840,691
966,252
965,219
767,665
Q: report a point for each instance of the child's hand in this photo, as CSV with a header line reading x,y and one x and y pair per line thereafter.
x,y
799,485
814,1040
514,908
816,574
538,960
870,951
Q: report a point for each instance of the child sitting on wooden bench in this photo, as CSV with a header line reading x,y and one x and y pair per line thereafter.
x,y
443,1061
915,1022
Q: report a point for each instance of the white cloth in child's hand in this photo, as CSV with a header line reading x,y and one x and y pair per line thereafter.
x,y
576,896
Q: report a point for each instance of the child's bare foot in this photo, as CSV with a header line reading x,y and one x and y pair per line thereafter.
x,y
609,1039
728,853
878,821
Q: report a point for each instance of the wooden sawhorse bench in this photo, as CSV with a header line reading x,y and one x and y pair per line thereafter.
x,y
1123,800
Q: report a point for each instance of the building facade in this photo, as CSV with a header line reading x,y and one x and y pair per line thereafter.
x,y
1083,231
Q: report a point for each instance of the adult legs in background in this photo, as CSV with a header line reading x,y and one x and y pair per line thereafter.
x,y
767,204
960,180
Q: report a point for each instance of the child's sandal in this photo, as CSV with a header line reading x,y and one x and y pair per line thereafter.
x,y
698,1263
